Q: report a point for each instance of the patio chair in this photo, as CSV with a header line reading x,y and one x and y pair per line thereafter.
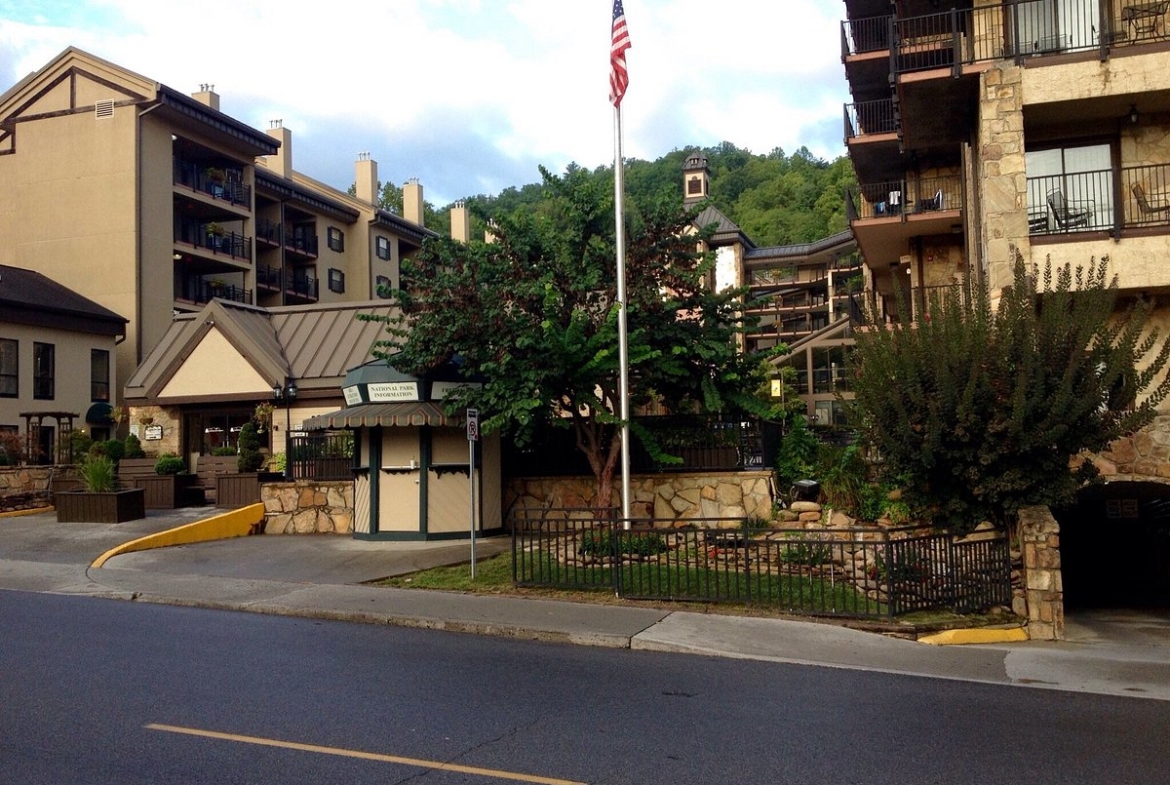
x,y
1066,214
1148,210
933,203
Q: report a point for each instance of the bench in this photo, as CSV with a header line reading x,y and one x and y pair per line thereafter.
x,y
130,469
207,468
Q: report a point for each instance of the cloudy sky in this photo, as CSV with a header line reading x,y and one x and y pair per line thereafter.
x,y
470,96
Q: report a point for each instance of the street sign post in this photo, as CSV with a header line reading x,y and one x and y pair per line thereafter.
x,y
472,438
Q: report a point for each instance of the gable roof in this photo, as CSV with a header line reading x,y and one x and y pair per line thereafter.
x,y
314,345
726,230
28,297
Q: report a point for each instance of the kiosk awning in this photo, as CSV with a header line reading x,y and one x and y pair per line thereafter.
x,y
368,415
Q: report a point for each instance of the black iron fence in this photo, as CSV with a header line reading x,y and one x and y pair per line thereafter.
x,y
226,184
696,443
860,572
899,198
1099,200
321,456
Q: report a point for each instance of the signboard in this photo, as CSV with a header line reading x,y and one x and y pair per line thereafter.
x,y
153,433
392,392
439,390
353,395
473,425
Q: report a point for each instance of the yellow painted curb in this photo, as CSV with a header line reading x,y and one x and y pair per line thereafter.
x,y
237,523
980,635
18,513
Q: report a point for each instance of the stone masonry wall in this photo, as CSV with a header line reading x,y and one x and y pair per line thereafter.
x,y
308,507
746,494
25,487
1043,588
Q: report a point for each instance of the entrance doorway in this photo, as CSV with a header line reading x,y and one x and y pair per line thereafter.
x,y
1115,547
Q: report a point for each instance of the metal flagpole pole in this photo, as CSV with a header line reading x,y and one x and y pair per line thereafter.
x,y
623,345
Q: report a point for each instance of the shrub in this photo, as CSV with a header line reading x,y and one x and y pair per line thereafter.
x,y
250,458
794,459
97,472
604,543
11,448
115,450
132,447
169,463
224,450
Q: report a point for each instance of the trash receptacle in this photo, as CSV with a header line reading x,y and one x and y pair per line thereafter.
x,y
805,490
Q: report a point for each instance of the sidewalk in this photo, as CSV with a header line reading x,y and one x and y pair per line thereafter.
x,y
321,577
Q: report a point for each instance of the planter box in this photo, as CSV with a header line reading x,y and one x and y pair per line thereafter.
x,y
109,507
167,491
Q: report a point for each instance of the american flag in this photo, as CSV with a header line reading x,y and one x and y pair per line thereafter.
x,y
619,77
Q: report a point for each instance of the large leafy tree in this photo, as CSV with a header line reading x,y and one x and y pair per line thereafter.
x,y
979,411
532,313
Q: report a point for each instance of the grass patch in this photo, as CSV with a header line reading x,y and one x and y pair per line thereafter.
x,y
492,576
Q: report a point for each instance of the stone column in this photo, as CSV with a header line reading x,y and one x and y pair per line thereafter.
x,y
1043,588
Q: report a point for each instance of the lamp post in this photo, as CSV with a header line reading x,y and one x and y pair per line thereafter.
x,y
286,393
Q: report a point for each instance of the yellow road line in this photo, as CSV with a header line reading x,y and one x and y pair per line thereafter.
x,y
426,764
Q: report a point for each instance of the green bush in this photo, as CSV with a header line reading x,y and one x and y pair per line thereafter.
x,y
604,543
132,447
797,453
98,474
169,463
115,450
250,459
224,450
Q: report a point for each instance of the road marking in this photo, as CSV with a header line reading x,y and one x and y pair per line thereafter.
x,y
426,764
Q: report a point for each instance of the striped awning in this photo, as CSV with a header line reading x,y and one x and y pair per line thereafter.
x,y
368,415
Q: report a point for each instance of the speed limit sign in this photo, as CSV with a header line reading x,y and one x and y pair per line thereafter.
x,y
473,425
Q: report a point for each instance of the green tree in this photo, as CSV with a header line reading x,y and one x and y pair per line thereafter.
x,y
982,411
533,315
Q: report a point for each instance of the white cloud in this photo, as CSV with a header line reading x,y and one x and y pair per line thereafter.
x,y
521,80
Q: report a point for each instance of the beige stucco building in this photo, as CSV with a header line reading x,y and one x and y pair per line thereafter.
x,y
152,202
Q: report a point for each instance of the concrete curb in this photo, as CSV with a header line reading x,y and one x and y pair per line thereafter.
x,y
237,523
977,635
33,511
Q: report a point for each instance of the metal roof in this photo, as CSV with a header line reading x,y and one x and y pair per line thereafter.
x,y
369,415
28,297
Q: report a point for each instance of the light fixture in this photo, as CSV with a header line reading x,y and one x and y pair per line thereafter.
x,y
286,392
177,256
1133,114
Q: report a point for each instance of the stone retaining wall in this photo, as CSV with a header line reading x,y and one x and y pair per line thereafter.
x,y
1043,588
25,487
743,494
308,507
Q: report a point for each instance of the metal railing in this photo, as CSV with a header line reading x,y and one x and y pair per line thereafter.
x,y
867,118
292,281
208,236
225,184
860,572
701,442
904,197
196,289
1101,200
1015,28
321,456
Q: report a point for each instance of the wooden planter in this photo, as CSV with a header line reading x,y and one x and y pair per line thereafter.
x,y
106,507
239,489
167,491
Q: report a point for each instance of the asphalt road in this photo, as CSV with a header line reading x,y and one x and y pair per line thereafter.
x,y
97,691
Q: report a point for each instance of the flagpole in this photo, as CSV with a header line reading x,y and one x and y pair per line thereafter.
x,y
623,343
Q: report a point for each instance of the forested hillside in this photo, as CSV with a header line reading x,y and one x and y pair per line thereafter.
x,y
777,199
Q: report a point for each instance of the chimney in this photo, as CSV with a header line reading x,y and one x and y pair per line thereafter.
x,y
460,222
412,201
366,179
281,163
489,235
207,96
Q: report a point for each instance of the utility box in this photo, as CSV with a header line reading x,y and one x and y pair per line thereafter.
x,y
805,490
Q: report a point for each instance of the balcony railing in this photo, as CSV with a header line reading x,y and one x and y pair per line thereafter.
x,y
294,282
867,118
1014,29
904,198
212,238
1102,200
219,183
302,240
197,289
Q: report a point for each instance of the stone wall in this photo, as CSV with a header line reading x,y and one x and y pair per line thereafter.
x,y
308,507
25,487
168,419
1043,588
745,494
1000,173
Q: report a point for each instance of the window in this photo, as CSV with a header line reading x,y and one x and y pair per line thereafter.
x,y
44,371
336,280
336,239
99,375
9,367
382,247
1069,188
382,286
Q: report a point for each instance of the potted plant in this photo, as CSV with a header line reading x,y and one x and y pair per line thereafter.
x,y
100,501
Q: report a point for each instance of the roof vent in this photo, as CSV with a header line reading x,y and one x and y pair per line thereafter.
x,y
104,109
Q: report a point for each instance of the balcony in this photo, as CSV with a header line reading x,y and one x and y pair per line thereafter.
x,y
299,241
199,290
295,284
885,215
224,184
210,239
1116,201
869,307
